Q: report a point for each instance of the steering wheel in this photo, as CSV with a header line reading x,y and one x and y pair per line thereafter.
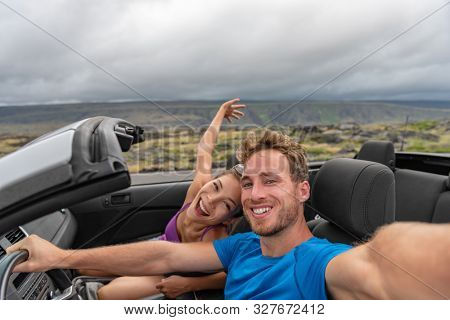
x,y
7,264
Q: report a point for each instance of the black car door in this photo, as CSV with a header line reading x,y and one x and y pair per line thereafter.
x,y
136,213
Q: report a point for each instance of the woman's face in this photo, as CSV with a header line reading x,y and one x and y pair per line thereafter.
x,y
216,201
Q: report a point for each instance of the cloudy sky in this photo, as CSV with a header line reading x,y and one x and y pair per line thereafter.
x,y
215,49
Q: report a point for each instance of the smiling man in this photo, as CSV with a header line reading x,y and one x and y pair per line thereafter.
x,y
281,259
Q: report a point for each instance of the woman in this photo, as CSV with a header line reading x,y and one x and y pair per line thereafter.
x,y
209,204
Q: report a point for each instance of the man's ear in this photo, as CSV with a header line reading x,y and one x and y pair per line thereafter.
x,y
303,191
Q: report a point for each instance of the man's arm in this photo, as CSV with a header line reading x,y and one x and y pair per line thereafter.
x,y
402,261
137,259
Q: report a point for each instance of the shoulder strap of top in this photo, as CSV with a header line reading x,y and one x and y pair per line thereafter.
x,y
170,232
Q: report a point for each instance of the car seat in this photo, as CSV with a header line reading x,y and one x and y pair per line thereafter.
x,y
420,196
353,198
441,210
378,151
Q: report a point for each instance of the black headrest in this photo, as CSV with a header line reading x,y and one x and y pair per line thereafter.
x,y
357,196
378,151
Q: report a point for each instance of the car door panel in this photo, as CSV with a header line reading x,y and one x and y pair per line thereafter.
x,y
141,212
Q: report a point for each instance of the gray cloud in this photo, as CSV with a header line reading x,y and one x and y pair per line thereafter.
x,y
217,49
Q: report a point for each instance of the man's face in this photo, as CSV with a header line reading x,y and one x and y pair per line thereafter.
x,y
272,202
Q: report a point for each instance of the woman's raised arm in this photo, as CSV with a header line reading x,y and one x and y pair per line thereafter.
x,y
229,110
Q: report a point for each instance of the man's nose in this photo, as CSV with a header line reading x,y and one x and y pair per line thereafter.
x,y
258,191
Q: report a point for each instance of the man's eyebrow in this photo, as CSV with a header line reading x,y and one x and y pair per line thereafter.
x,y
264,174
269,174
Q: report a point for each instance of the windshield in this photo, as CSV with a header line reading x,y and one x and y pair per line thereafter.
x,y
331,75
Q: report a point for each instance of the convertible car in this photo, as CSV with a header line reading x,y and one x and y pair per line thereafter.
x,y
72,187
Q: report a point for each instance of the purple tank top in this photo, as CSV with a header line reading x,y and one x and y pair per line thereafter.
x,y
171,234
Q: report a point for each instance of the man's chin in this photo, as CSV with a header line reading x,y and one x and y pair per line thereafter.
x,y
265,231
263,227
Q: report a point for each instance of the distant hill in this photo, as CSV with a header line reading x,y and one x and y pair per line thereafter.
x,y
38,119
422,104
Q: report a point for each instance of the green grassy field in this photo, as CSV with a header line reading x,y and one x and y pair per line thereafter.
x,y
171,145
175,149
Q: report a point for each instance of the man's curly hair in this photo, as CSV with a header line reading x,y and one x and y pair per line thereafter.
x,y
268,139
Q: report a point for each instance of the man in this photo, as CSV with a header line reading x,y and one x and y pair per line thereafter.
x,y
281,259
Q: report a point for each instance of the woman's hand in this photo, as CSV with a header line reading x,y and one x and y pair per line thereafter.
x,y
231,109
174,286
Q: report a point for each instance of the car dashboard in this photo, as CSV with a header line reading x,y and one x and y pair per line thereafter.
x,y
57,170
59,228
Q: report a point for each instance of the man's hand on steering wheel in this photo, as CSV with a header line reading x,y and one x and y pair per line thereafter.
x,y
42,255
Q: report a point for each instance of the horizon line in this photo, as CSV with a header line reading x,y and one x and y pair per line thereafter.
x,y
71,102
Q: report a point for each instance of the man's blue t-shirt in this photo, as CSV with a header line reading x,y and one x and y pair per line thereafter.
x,y
299,274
